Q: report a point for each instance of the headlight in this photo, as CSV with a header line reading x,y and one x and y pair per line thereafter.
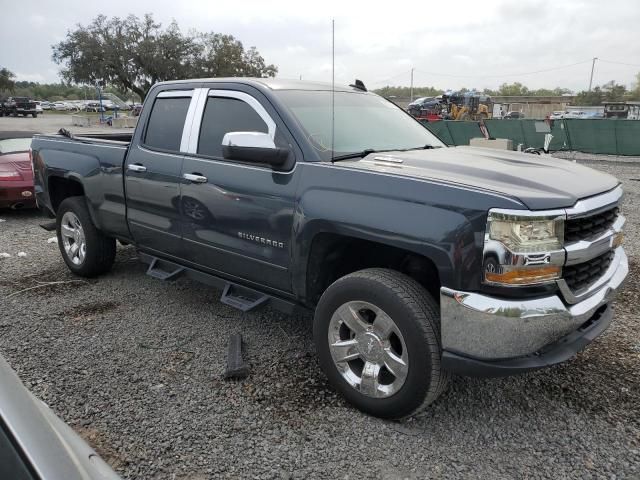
x,y
522,234
523,249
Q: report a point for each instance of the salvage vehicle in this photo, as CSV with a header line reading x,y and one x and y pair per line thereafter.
x,y
415,107
16,176
419,260
15,106
35,444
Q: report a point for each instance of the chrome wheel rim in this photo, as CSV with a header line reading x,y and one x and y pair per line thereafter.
x,y
368,349
73,238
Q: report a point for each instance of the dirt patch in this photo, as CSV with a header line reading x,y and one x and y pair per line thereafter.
x,y
100,444
89,311
177,362
50,280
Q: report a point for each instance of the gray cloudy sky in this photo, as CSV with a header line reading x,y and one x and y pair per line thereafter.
x,y
450,44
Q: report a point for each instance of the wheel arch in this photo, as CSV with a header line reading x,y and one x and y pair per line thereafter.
x,y
61,187
331,253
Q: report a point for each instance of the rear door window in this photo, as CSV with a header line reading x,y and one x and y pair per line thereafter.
x,y
223,115
166,122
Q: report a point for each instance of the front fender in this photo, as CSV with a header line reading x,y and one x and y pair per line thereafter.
x,y
443,223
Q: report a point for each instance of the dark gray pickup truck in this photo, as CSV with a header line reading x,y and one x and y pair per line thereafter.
x,y
419,260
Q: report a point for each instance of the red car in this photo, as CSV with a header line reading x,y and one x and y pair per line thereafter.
x,y
16,175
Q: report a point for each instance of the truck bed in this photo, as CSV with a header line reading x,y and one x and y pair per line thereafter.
x,y
98,159
118,137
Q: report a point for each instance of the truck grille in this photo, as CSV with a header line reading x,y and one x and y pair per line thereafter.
x,y
584,274
582,228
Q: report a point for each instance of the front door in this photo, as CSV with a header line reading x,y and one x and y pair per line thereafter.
x,y
152,175
237,218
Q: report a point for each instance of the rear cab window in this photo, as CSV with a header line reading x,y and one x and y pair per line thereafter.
x,y
166,121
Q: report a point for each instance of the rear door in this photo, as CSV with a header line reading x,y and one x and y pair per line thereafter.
x,y
152,174
237,217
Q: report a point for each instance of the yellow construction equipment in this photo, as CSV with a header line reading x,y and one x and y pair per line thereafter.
x,y
466,106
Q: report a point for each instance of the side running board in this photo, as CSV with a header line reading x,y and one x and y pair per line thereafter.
x,y
163,270
242,298
238,296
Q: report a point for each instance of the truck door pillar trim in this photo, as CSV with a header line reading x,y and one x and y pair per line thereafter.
x,y
200,103
187,132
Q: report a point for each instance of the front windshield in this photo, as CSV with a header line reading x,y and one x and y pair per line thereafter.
x,y
362,122
11,145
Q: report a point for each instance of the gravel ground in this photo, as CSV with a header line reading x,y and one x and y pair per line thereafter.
x,y
134,365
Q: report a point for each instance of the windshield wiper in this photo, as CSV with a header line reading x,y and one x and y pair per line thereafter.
x,y
368,151
424,147
360,154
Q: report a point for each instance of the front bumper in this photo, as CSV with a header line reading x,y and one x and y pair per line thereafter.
x,y
483,335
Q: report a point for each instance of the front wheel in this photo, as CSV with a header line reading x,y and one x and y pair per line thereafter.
x,y
86,251
377,333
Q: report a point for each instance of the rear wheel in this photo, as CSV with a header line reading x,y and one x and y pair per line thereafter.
x,y
377,333
34,115
86,251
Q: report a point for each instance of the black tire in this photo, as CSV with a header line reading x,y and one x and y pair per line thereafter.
x,y
34,115
416,315
100,249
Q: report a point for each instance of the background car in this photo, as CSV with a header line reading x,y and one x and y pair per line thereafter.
x,y
39,108
557,115
576,114
15,106
16,175
513,115
60,106
36,444
93,107
415,107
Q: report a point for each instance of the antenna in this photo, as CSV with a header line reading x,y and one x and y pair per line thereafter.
x,y
333,85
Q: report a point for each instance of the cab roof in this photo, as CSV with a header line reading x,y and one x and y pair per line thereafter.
x,y
270,83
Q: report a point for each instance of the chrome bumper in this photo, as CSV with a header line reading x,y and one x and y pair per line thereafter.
x,y
487,328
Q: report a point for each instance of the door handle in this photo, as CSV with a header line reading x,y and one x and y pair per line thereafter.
x,y
194,178
136,167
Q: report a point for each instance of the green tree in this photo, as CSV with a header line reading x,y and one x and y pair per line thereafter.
x,y
405,92
592,98
132,54
614,92
635,92
609,92
223,56
513,89
6,80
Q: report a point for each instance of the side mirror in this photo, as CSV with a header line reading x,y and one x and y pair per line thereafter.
x,y
254,147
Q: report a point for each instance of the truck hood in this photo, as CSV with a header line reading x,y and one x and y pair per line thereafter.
x,y
538,181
